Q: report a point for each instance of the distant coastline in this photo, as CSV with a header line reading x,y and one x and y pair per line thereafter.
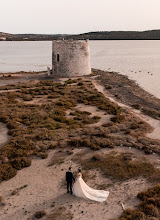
x,y
99,35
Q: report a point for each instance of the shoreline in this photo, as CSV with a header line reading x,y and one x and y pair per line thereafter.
x,y
13,75
128,92
121,87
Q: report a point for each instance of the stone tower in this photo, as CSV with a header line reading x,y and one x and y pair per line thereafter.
x,y
70,58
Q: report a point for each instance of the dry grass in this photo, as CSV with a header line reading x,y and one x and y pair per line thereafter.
x,y
60,214
48,122
121,167
149,208
58,158
6,172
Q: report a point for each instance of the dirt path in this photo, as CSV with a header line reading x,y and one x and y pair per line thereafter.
x,y
155,124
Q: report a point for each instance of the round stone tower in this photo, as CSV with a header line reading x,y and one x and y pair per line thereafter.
x,y
70,58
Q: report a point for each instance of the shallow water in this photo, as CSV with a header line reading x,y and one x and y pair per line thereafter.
x,y
25,56
139,60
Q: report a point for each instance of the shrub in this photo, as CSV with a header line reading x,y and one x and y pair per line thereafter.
x,y
136,106
132,215
52,146
27,97
43,155
149,209
77,113
118,118
3,118
108,87
11,124
119,168
105,143
6,172
153,192
80,84
79,143
95,147
16,153
135,125
70,81
20,162
39,214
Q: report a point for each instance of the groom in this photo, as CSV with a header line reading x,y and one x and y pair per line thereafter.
x,y
69,179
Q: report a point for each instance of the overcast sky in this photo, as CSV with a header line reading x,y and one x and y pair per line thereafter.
x,y
78,16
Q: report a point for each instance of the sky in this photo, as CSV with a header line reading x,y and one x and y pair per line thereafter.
x,y
78,16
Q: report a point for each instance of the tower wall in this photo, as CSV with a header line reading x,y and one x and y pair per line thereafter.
x,y
70,58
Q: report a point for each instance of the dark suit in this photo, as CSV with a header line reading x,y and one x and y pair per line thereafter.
x,y
69,179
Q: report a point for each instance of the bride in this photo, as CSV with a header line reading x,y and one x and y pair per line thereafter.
x,y
81,189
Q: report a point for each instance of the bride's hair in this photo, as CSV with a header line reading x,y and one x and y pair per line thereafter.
x,y
79,170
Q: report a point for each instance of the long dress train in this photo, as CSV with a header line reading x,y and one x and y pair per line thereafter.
x,y
81,189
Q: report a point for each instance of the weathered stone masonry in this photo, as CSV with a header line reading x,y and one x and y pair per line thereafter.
x,y
70,58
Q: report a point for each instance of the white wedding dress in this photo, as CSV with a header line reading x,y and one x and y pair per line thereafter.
x,y
81,189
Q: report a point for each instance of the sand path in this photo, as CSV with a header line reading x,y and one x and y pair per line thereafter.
x,y
4,138
155,124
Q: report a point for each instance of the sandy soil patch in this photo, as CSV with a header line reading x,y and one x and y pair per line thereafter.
x,y
45,187
104,118
10,90
4,138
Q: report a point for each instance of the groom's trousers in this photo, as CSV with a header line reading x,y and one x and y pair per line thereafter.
x,y
69,187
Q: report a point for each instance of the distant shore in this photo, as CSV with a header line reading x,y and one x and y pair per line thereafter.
x,y
97,35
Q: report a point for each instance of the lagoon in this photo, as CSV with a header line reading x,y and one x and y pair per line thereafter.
x,y
139,60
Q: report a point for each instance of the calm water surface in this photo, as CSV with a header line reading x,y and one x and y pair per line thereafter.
x,y
139,60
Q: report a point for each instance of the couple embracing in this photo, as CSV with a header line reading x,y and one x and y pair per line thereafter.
x,y
82,190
